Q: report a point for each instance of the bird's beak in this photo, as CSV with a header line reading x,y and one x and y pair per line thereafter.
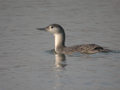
x,y
42,29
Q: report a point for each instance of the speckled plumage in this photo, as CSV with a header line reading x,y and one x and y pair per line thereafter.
x,y
84,49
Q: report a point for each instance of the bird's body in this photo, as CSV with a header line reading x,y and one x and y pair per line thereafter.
x,y
60,47
83,48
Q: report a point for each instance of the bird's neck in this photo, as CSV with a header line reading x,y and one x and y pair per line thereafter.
x,y
59,41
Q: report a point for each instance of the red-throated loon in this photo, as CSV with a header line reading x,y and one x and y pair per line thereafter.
x,y
60,47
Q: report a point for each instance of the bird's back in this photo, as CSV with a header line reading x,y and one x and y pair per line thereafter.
x,y
84,48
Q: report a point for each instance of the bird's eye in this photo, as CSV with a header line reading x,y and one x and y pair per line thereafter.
x,y
51,26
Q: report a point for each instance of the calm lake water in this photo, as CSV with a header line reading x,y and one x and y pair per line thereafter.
x,y
25,60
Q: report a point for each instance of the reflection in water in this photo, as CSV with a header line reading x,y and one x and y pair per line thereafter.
x,y
60,80
60,61
60,64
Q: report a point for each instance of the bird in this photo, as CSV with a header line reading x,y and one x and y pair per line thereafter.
x,y
60,47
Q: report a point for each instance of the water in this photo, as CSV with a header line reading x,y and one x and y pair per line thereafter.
x,y
24,62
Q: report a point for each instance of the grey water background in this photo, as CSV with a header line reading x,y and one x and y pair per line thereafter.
x,y
24,62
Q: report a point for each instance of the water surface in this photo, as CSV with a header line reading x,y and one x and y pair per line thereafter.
x,y
24,62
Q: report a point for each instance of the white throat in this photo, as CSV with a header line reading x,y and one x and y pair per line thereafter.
x,y
59,41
